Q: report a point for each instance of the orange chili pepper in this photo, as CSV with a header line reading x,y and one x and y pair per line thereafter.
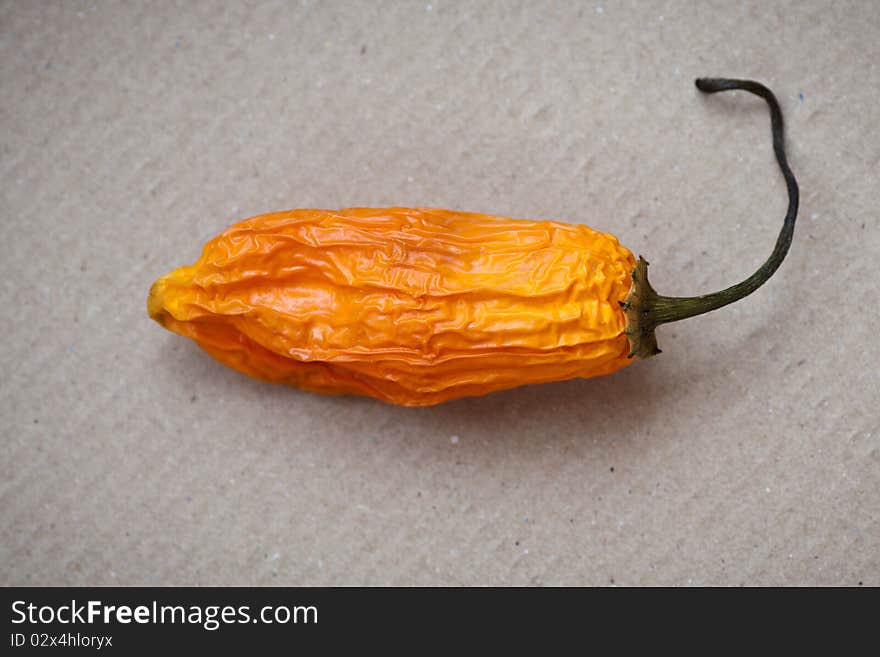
x,y
417,306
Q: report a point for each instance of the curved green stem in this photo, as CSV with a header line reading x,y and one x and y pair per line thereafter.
x,y
645,309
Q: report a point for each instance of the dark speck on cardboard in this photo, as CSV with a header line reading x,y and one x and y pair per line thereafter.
x,y
801,96
364,50
611,469
193,399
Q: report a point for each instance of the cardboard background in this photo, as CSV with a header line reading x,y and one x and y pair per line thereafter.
x,y
747,453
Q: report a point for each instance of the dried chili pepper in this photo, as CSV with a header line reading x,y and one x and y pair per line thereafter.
x,y
419,306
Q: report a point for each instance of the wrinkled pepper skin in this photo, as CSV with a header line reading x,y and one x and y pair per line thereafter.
x,y
411,306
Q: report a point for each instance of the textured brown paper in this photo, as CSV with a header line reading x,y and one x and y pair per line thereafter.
x,y
747,453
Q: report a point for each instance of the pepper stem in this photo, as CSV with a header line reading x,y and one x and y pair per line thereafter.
x,y
645,309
